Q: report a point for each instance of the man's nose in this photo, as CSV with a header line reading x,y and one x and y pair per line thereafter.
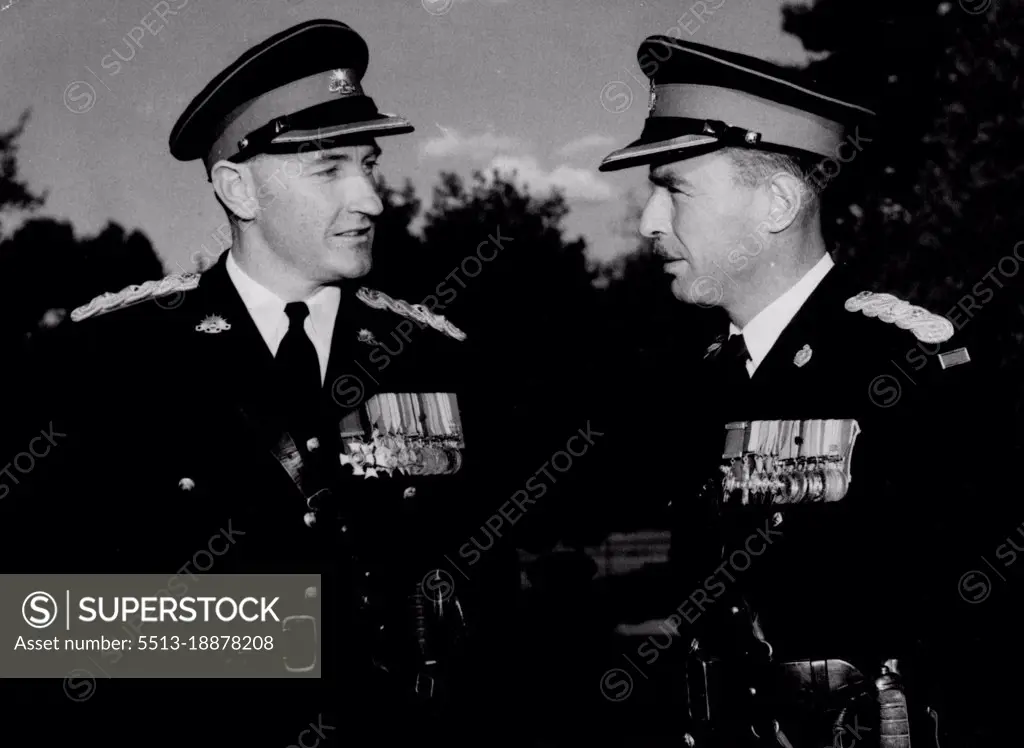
x,y
654,219
364,198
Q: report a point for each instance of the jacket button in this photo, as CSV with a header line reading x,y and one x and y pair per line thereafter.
x,y
186,484
409,492
309,518
312,443
344,528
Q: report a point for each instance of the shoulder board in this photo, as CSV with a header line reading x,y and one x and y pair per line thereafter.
x,y
927,327
417,312
131,295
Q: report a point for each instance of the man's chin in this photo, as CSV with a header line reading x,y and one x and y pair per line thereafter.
x,y
350,262
358,270
681,279
704,291
680,290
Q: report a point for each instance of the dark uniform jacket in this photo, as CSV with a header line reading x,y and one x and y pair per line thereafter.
x,y
863,563
172,457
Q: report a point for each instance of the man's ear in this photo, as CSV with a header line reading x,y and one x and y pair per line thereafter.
x,y
236,188
787,194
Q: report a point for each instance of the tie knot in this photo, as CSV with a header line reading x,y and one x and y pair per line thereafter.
x,y
736,348
297,312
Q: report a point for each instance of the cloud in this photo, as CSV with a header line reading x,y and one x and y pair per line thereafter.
x,y
478,147
593,141
511,157
575,183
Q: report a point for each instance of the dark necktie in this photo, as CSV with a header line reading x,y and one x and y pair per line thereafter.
x,y
298,369
732,360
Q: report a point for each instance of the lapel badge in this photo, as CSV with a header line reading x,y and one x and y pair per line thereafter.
x,y
365,336
712,350
214,323
802,356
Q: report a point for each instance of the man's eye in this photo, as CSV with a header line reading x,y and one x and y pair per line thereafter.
x,y
369,166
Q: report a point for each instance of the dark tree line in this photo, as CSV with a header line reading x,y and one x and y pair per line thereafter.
x,y
934,209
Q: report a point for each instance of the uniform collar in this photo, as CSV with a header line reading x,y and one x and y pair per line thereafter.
x,y
267,310
765,328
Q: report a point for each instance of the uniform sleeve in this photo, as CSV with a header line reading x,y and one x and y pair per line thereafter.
x,y
939,491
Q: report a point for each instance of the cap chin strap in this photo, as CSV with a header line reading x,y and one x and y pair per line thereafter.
x,y
260,138
730,135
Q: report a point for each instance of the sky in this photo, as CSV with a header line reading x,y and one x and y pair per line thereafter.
x,y
542,88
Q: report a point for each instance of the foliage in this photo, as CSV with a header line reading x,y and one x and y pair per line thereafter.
x,y
932,212
45,270
14,193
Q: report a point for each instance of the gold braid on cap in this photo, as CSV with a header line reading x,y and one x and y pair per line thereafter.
x,y
927,327
133,294
417,312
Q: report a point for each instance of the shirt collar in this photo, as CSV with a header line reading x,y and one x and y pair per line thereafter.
x,y
267,308
765,328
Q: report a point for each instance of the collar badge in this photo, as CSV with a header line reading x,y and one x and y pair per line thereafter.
x,y
214,323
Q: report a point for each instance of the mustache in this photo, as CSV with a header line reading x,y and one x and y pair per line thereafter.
x,y
662,251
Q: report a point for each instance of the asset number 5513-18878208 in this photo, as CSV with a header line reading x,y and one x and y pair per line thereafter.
x,y
203,643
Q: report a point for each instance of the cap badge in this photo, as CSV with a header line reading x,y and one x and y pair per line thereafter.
x,y
341,85
802,356
213,324
652,100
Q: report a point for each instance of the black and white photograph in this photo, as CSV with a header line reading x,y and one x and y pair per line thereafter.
x,y
527,373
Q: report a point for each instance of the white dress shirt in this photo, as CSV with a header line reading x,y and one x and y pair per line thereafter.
x,y
765,328
267,310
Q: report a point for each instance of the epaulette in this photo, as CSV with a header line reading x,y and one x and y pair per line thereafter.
x,y
133,294
926,326
417,312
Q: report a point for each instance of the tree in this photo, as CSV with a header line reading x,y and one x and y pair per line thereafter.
x,y
503,252
935,206
14,194
45,270
396,249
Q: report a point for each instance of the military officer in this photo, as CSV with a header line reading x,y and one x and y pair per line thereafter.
x,y
273,414
825,429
